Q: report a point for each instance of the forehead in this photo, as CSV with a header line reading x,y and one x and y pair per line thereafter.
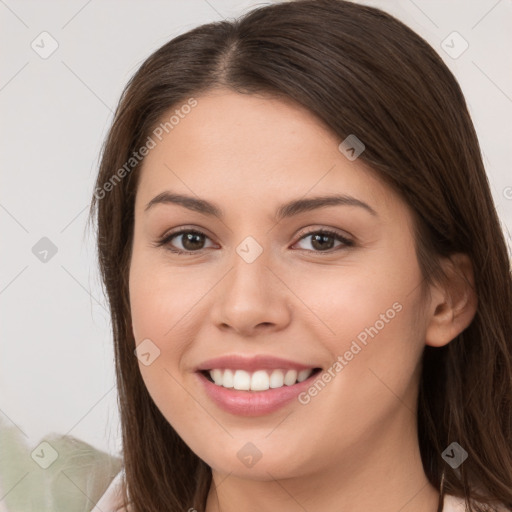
x,y
252,149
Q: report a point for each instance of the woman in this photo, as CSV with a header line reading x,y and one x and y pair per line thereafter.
x,y
310,291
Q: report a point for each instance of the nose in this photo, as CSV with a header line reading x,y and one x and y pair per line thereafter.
x,y
252,298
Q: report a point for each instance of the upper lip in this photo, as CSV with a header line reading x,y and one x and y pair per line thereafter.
x,y
252,363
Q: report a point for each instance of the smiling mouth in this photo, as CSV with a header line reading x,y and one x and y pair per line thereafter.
x,y
259,380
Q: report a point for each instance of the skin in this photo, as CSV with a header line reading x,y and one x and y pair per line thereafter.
x,y
354,446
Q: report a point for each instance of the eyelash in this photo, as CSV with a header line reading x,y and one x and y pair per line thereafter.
x,y
167,239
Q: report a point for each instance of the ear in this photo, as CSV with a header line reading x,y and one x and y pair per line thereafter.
x,y
454,302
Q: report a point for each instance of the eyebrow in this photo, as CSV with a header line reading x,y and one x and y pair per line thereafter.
x,y
288,209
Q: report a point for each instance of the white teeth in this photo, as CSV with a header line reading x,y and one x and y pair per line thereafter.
x,y
290,378
277,379
260,380
216,375
242,380
227,379
303,375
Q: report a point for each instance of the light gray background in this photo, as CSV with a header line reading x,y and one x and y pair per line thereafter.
x,y
56,359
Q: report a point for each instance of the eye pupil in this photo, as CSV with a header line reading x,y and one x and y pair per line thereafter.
x,y
190,241
321,239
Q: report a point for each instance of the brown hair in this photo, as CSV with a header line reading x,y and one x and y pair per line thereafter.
x,y
363,72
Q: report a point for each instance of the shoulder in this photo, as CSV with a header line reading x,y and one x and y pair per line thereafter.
x,y
112,499
456,504
453,504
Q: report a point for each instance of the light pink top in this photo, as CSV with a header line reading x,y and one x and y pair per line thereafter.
x,y
112,499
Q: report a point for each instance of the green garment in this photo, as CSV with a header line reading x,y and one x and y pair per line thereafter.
x,y
75,477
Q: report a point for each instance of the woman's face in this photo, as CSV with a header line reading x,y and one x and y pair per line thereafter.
x,y
260,280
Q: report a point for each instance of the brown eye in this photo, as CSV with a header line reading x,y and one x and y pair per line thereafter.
x,y
324,240
191,241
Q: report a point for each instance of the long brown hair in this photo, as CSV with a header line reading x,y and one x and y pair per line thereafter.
x,y
360,71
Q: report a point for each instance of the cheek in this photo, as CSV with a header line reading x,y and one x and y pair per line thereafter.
x,y
164,308
368,316
149,302
160,296
157,307
367,323
343,303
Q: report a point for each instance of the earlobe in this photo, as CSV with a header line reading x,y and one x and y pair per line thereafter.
x,y
454,302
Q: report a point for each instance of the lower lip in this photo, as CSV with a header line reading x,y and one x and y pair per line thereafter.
x,y
253,403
